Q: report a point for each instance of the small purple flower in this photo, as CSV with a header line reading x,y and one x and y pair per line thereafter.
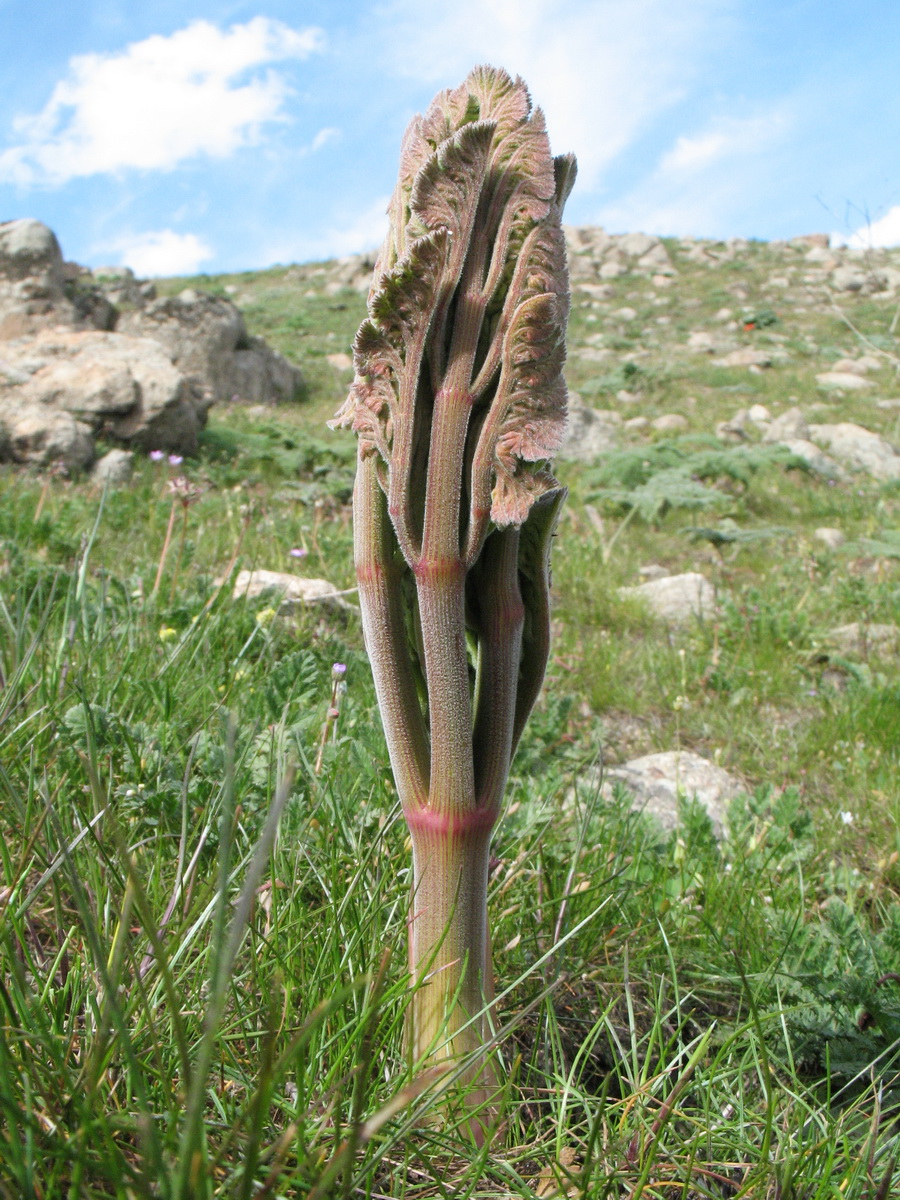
x,y
157,455
298,552
175,460
338,670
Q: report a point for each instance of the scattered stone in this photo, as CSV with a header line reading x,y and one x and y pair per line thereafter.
x,y
858,366
790,426
635,424
657,261
292,589
830,537
859,448
654,571
747,356
860,639
596,291
701,340
114,468
850,279
759,414
670,423
612,269
659,781
590,434
814,458
847,381
676,598
637,245
625,314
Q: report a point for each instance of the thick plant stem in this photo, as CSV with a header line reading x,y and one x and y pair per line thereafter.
x,y
378,574
448,941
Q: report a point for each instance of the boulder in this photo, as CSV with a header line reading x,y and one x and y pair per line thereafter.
x,y
637,245
32,279
830,537
747,356
815,459
589,434
847,381
88,352
791,425
670,423
61,387
205,336
859,449
860,639
676,599
658,782
114,468
290,589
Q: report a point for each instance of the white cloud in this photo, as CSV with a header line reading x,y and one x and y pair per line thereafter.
x,y
158,102
323,137
698,185
162,252
602,70
730,137
883,232
363,231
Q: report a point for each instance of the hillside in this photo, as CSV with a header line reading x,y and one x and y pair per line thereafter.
x,y
701,999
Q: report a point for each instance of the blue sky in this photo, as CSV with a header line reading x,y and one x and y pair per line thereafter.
x,y
185,135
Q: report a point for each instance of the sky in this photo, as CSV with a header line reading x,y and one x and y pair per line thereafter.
x,y
185,136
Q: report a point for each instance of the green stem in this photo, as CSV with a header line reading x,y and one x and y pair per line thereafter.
x,y
378,572
448,938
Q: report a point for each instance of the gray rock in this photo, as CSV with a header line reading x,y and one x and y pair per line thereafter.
x,y
205,336
676,598
658,781
42,437
115,467
814,458
859,448
291,589
589,434
861,639
637,245
830,537
747,356
121,386
32,279
847,381
656,261
850,279
670,423
791,425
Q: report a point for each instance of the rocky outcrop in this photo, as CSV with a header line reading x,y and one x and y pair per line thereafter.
x,y
61,388
95,353
205,337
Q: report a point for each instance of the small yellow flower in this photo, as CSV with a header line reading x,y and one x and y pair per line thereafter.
x,y
167,633
266,616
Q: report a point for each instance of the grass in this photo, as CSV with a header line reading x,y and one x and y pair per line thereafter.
x,y
202,939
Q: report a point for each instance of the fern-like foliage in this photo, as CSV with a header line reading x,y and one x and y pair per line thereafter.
x,y
688,472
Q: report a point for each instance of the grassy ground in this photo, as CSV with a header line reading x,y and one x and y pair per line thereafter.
x,y
202,937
